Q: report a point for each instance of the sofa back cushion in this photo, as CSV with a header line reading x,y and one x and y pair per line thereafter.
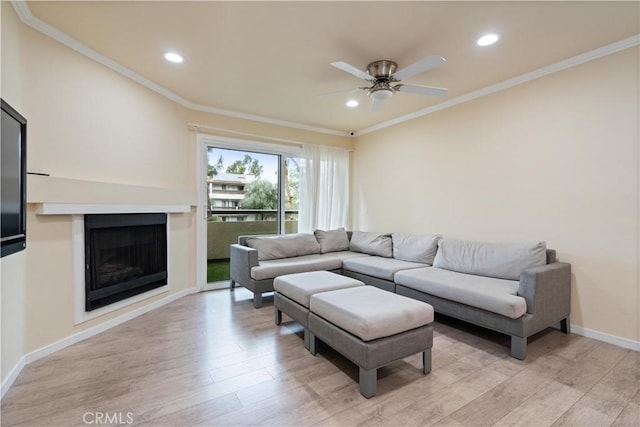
x,y
414,247
283,246
371,243
332,240
501,260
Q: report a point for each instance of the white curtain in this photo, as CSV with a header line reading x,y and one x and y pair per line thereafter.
x,y
324,188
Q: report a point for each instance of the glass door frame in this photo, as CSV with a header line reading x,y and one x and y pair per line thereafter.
x,y
204,142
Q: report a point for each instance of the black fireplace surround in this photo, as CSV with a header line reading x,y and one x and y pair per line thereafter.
x,y
125,255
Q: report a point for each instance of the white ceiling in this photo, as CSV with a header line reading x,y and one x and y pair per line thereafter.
x,y
271,59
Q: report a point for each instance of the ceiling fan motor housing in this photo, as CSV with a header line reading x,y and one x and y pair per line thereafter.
x,y
382,70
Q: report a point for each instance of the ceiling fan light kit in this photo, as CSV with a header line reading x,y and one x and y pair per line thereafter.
x,y
381,74
380,94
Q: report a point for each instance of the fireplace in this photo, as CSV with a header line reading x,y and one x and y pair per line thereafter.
x,y
125,255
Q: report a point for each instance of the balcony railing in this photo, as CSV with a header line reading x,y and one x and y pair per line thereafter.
x,y
222,233
226,210
223,230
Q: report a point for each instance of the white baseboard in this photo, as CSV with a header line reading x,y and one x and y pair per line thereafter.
x,y
608,338
87,333
214,286
12,376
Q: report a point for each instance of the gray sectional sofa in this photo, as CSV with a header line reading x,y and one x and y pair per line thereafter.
x,y
517,289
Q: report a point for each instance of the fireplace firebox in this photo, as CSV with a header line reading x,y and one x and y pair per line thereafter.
x,y
125,255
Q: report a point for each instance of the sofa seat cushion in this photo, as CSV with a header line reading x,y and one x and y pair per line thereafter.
x,y
342,255
495,295
299,287
278,267
370,313
382,268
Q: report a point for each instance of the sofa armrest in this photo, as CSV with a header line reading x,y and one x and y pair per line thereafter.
x,y
547,290
242,258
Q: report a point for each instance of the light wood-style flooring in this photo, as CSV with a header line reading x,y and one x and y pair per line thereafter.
x,y
212,359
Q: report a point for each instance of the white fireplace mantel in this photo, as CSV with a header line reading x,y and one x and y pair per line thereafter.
x,y
82,208
65,196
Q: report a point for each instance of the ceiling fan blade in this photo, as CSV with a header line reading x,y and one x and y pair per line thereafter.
x,y
378,105
352,70
337,92
422,90
421,66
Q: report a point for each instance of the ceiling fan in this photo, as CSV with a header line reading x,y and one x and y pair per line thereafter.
x,y
382,75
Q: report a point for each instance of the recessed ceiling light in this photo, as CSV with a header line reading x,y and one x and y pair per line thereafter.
x,y
173,57
487,39
352,103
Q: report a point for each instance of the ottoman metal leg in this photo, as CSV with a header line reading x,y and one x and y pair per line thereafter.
x,y
306,338
426,361
368,382
278,316
313,342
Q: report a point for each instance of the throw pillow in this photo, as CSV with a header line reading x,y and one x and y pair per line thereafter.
x,y
284,246
332,240
414,247
371,243
500,260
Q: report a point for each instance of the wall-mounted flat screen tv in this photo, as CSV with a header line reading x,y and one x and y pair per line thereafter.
x,y
13,189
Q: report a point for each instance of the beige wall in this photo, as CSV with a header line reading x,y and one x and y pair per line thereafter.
x,y
88,122
553,159
12,298
12,267
91,124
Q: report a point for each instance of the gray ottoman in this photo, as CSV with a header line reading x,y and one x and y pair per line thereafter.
x,y
372,328
293,291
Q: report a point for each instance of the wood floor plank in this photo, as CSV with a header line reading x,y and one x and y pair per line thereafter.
x,y
584,416
607,399
212,359
629,417
438,406
579,374
500,400
199,414
266,409
317,409
196,396
543,408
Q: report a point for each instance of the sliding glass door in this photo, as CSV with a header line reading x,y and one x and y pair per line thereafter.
x,y
248,192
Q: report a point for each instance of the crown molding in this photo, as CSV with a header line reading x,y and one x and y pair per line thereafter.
x,y
261,119
25,15
523,78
